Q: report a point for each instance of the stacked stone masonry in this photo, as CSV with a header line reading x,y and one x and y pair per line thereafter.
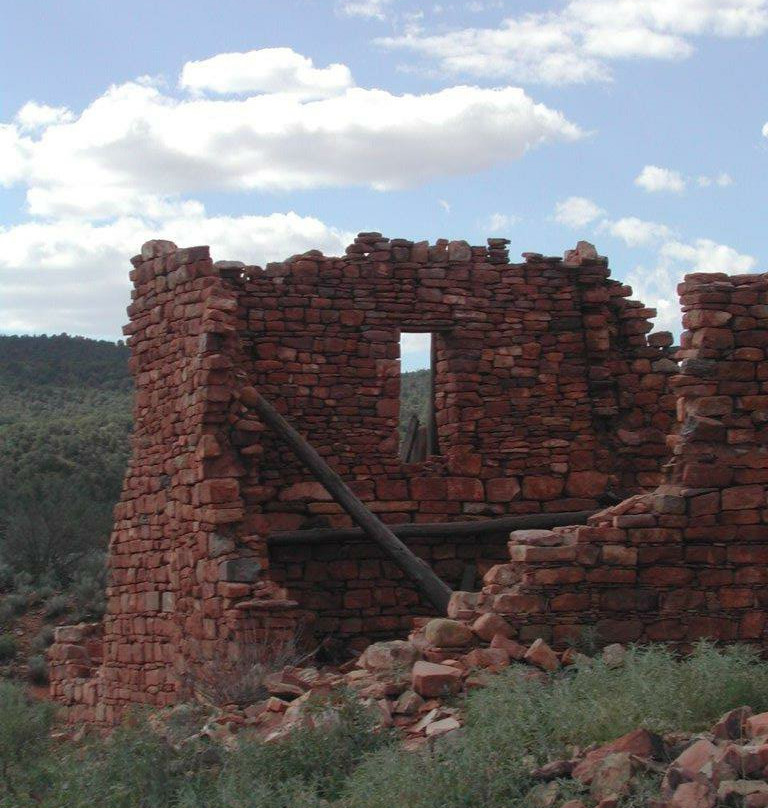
x,y
549,393
688,560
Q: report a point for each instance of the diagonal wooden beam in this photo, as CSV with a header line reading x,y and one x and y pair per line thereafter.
x,y
434,589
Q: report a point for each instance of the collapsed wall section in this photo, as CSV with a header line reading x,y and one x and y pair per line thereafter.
x,y
690,559
548,395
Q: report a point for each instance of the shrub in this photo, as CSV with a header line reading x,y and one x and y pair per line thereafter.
x,y
88,591
43,640
56,606
321,754
6,577
515,722
8,647
24,738
17,603
242,681
37,670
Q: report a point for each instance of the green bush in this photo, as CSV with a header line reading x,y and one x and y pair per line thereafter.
x,y
24,741
17,603
8,647
43,640
56,606
340,760
516,721
37,670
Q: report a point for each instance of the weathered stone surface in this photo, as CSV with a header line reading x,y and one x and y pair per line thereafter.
x,y
389,656
445,633
430,679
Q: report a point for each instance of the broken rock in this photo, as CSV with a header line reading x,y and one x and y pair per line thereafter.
x,y
431,679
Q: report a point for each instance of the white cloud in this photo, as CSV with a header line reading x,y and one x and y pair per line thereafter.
x,y
72,275
370,9
269,70
498,222
723,180
656,285
135,142
576,43
577,211
636,232
34,116
765,130
655,282
654,179
445,205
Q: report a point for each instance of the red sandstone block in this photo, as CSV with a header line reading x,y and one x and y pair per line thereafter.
x,y
465,489
513,603
743,497
586,483
430,680
541,487
619,554
554,576
428,489
570,602
666,576
502,489
529,554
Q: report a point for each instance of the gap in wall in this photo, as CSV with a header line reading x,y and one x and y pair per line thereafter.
x,y
418,433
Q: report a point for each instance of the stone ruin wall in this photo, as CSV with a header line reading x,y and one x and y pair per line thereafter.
x,y
548,394
688,560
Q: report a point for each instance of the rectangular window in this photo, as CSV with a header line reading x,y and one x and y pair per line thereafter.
x,y
418,427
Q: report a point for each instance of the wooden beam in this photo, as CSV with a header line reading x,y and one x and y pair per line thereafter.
x,y
447,530
436,590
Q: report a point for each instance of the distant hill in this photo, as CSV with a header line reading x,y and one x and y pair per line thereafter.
x,y
65,423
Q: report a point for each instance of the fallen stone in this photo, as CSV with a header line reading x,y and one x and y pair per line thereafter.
x,y
516,650
729,791
731,726
757,725
442,727
431,679
693,795
542,656
444,633
613,777
408,703
640,742
388,656
614,655
488,625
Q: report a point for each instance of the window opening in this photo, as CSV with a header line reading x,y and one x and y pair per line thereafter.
x,y
417,426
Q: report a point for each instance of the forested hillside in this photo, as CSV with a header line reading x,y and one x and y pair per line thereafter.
x,y
65,421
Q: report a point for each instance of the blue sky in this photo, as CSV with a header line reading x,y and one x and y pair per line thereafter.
x,y
267,129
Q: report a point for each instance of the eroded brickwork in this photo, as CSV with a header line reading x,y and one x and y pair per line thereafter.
x,y
690,559
548,394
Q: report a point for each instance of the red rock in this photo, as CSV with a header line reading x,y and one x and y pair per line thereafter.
x,y
488,625
516,650
542,656
757,725
640,742
613,777
444,633
731,726
430,679
693,795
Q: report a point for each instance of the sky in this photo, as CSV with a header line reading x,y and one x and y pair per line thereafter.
x,y
266,129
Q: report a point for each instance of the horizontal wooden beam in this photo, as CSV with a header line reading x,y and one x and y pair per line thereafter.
x,y
447,530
